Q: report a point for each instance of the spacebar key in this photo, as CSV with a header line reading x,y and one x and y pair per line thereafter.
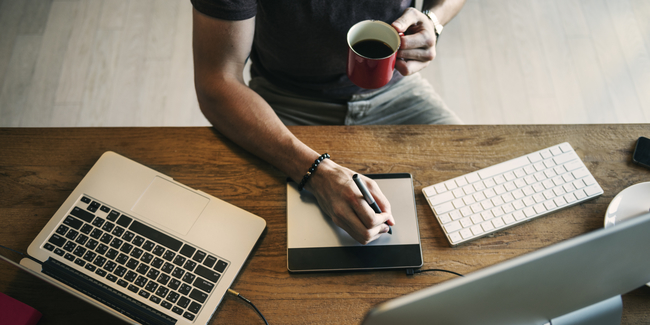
x,y
155,235
503,167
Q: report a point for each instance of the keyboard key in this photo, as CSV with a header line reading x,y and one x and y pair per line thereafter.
x,y
157,262
203,284
112,253
118,231
142,269
73,222
199,295
110,266
441,198
113,215
465,233
221,266
151,286
162,292
89,256
108,226
189,277
82,214
155,299
177,310
158,251
130,276
116,243
81,239
137,252
153,274
169,255
185,289
57,240
62,230
148,246
146,258
187,250
124,220
138,241
126,248
101,249
72,234
144,294
121,259
155,235
183,302
140,281
207,273
98,222
163,279
133,288
106,238
199,256
132,263
172,297
167,268
178,272
189,265
99,261
96,233
129,235
179,260
174,284
166,304
188,316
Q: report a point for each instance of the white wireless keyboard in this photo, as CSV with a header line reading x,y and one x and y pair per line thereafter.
x,y
501,196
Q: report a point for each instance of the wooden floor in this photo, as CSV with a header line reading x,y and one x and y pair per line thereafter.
x,y
129,62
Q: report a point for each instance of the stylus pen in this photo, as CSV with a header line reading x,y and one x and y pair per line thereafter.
x,y
371,200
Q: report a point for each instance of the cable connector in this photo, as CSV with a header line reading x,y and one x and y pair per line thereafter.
x,y
410,271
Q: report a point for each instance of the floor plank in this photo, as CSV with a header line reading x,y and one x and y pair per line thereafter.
x,y
129,62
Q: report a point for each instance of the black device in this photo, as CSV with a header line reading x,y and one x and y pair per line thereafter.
x,y
642,152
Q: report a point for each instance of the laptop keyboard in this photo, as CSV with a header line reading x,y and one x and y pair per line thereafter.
x,y
150,264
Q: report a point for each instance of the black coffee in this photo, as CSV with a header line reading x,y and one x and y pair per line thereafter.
x,y
372,49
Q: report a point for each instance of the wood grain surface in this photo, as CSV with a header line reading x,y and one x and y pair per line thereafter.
x,y
40,167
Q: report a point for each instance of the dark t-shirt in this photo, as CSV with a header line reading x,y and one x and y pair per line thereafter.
x,y
301,45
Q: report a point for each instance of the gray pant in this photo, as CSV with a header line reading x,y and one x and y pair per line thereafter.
x,y
411,100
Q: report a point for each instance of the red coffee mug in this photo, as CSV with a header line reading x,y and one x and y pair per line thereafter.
x,y
370,65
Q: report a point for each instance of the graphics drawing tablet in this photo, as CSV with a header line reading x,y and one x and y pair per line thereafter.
x,y
315,243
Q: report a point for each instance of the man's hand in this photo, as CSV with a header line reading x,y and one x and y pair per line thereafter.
x,y
340,198
418,46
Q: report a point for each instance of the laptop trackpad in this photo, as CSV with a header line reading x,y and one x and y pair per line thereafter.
x,y
170,205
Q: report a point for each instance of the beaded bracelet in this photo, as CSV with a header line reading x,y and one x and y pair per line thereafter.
x,y
311,170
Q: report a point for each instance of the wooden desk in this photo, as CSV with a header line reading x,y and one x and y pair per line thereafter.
x,y
40,167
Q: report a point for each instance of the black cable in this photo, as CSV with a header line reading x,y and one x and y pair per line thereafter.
x,y
413,271
233,292
22,254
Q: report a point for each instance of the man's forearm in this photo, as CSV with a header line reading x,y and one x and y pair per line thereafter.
x,y
244,117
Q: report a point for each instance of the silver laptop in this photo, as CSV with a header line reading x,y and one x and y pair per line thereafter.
x,y
573,282
142,246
